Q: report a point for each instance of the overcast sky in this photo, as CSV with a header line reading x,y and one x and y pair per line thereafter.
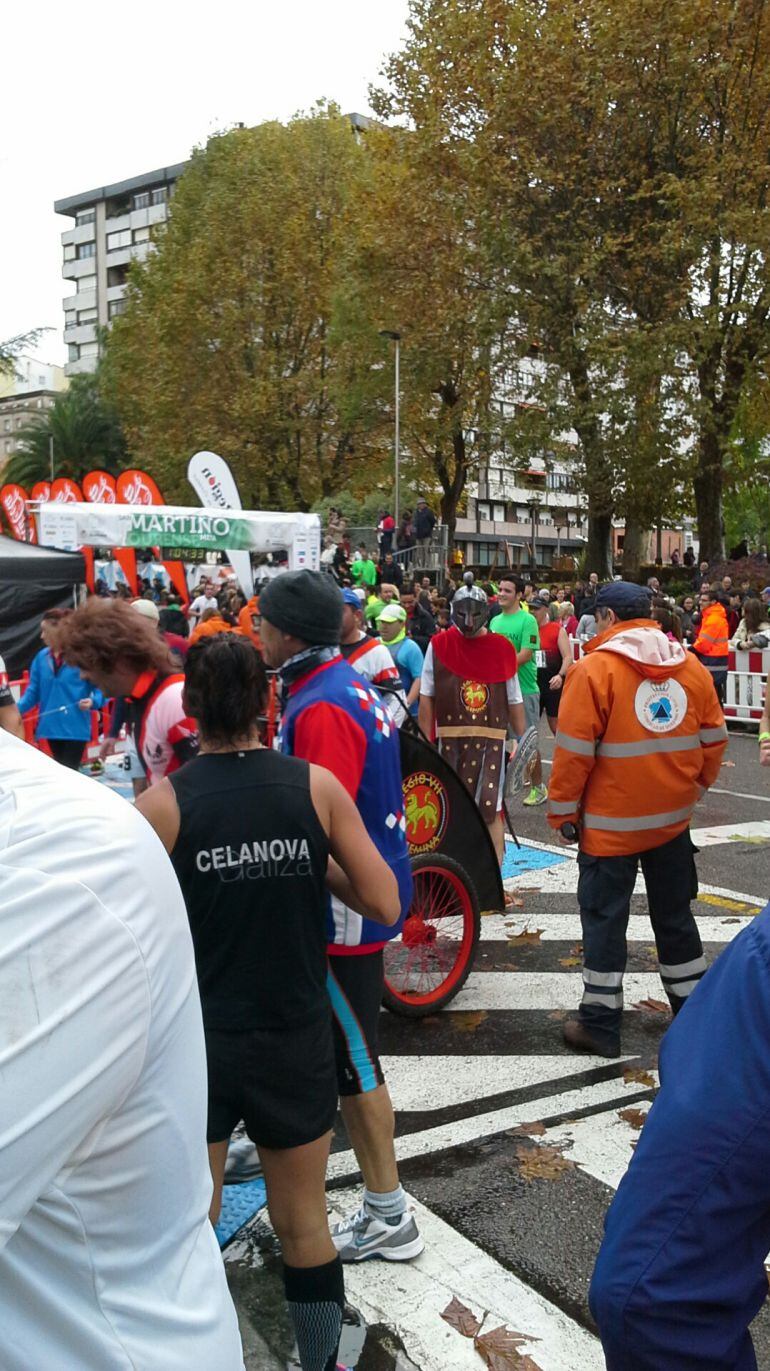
x,y
95,92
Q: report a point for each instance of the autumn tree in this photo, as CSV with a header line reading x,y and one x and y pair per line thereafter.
x,y
620,153
242,333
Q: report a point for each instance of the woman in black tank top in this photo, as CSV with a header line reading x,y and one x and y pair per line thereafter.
x,y
256,840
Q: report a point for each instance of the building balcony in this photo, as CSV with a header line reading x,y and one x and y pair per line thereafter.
x,y
81,333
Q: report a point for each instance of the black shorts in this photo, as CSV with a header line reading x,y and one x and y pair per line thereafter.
x,y
281,1082
355,990
549,703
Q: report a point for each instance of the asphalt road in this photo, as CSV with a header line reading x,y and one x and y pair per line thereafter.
x,y
513,1220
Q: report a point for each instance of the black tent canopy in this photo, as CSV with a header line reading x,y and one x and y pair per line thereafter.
x,y
32,580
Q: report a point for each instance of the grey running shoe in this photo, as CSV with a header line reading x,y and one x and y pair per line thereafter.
x,y
243,1162
363,1235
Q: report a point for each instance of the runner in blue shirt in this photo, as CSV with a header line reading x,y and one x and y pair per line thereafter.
x,y
391,622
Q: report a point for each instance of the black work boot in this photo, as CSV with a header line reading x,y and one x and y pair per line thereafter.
x,y
583,1039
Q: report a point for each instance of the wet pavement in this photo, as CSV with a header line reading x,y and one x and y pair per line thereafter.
x,y
509,1146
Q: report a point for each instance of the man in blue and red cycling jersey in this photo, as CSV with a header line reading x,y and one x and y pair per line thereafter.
x,y
333,717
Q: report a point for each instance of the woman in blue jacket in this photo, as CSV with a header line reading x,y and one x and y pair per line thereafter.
x,y
64,699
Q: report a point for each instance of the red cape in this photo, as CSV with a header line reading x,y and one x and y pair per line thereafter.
x,y
489,659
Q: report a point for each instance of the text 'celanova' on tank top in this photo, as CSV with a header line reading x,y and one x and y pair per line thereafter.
x,y
251,859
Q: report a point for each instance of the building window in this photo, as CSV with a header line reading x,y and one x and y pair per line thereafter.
x,y
141,201
89,349
86,283
70,318
73,352
19,423
483,509
7,425
159,196
69,252
87,316
122,239
498,513
86,250
116,307
141,235
85,216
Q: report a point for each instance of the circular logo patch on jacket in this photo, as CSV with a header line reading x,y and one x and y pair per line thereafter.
x,y
660,705
474,696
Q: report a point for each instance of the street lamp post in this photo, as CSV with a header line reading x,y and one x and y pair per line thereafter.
x,y
396,338
534,509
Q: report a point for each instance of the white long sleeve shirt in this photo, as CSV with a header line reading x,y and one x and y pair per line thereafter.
x,y
107,1259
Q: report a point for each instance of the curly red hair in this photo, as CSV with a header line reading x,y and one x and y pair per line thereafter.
x,y
103,632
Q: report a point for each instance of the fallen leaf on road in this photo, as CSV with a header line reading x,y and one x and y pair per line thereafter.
x,y
638,1075
570,961
731,921
527,935
659,1006
542,1163
528,1130
467,1020
529,889
462,1319
513,902
728,763
636,1117
499,1350
558,1015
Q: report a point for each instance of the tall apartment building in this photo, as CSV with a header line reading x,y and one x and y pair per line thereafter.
x,y
112,227
25,394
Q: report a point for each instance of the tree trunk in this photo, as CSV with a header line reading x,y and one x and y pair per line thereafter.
x,y
633,546
597,554
708,486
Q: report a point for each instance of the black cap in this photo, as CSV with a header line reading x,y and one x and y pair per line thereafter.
x,y
623,596
306,604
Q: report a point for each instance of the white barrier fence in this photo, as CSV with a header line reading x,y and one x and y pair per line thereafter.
x,y
746,683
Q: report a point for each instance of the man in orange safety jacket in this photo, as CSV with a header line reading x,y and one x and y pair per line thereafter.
x,y
641,737
712,643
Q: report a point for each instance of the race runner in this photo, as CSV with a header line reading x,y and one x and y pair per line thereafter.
x,y
368,655
10,718
250,833
107,1256
334,719
641,737
123,654
469,695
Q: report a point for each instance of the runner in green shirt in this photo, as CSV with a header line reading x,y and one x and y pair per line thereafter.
x,y
520,627
363,572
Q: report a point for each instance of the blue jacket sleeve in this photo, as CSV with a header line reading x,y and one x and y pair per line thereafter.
x,y
31,696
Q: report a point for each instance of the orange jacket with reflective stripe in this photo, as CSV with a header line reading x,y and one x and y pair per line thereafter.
x,y
713,635
641,736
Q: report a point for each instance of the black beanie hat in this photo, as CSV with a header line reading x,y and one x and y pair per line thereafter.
x,y
306,604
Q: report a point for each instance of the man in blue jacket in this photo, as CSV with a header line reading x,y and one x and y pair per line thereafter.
x,y
333,718
680,1274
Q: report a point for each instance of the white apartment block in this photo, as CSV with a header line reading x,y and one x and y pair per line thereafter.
x,y
530,511
25,395
112,227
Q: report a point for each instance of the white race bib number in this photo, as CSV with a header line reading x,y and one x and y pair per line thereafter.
x,y
540,659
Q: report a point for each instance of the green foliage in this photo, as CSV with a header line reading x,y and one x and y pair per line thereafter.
x,y
85,433
243,333
12,348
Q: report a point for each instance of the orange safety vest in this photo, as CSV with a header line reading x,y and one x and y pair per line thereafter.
x,y
641,736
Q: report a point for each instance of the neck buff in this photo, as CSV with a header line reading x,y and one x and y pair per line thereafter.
x,y
306,661
399,638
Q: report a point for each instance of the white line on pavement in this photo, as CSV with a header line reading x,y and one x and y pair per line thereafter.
x,y
567,927
448,1135
410,1300
731,833
601,1145
436,1082
739,795
542,990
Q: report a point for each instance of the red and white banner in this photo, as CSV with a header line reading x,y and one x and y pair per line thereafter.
x,y
13,500
41,490
66,492
99,488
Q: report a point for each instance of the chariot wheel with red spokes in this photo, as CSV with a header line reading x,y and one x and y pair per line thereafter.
x,y
429,962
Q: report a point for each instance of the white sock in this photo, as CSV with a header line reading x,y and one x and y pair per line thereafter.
x,y
387,1206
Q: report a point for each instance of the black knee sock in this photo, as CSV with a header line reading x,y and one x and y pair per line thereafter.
x,y
316,1300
